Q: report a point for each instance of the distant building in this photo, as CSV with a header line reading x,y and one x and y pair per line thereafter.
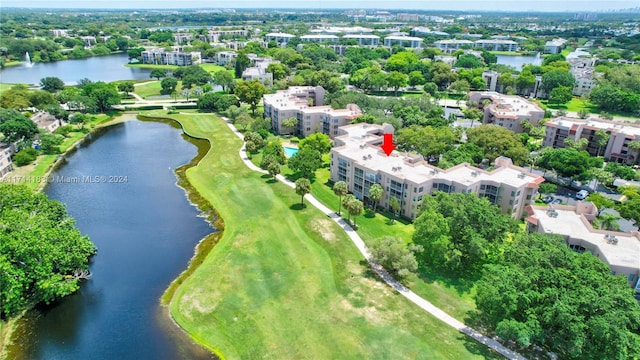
x,y
491,78
163,57
364,39
404,41
60,32
46,121
583,70
258,69
320,38
449,46
182,38
280,38
225,57
497,45
6,166
619,250
407,17
358,160
421,30
342,30
554,46
616,149
507,111
305,103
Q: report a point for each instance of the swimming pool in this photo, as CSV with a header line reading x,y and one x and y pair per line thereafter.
x,y
290,151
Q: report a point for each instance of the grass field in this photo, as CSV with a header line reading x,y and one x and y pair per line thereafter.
x,y
152,88
5,87
454,296
285,282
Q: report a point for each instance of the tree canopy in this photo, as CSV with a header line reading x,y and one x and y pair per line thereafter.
x,y
250,92
544,293
497,141
42,253
460,232
569,163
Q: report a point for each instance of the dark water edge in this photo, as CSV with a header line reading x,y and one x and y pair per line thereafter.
x,y
185,346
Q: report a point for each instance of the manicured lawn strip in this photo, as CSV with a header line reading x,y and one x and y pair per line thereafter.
x,y
212,68
5,87
285,282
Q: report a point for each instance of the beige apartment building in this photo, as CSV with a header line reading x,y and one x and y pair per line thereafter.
x,y
305,103
6,166
357,159
619,250
620,135
507,111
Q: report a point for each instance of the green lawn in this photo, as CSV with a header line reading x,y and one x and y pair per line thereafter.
x,y
212,68
285,282
452,295
5,87
153,88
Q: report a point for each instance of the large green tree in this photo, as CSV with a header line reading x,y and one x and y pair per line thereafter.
x,y
15,126
223,78
569,163
543,293
395,256
317,141
460,232
51,84
250,92
498,141
557,78
105,95
428,141
306,161
42,254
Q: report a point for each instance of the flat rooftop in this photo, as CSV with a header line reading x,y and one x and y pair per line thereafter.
x,y
362,146
569,223
508,105
595,123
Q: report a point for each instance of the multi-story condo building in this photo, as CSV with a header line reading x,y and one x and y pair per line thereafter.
x,y
280,38
554,46
616,149
46,121
619,250
319,38
258,70
405,41
60,32
583,70
225,57
163,57
449,46
357,159
182,38
342,30
506,110
6,165
305,103
364,39
407,17
497,45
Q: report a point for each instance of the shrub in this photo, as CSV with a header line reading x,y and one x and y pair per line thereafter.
x,y
25,156
64,130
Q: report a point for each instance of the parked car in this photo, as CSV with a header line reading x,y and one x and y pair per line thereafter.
x,y
556,202
582,194
547,199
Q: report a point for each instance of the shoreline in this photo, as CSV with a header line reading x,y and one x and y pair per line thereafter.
x,y
206,244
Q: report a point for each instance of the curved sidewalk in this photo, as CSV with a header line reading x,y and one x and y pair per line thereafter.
x,y
413,297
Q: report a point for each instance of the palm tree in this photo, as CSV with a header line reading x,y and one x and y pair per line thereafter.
x,y
303,187
290,123
340,189
355,209
395,207
375,194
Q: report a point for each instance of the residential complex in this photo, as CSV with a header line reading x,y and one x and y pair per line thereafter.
x,y
163,57
364,39
357,159
280,38
46,121
616,149
405,41
507,110
320,38
258,69
554,46
449,46
305,103
619,250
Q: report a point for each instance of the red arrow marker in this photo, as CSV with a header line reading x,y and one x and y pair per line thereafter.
x,y
387,145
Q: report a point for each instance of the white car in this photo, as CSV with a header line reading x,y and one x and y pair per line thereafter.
x,y
582,194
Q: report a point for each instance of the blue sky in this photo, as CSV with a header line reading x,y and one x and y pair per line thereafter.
x,y
504,5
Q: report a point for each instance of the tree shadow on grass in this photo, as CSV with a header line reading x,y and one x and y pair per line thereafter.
x,y
462,284
477,348
297,206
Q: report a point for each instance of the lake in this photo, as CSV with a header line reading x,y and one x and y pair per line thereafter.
x,y
98,68
518,61
145,231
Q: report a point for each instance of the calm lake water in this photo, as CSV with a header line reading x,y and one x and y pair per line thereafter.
x,y
99,68
145,231
518,61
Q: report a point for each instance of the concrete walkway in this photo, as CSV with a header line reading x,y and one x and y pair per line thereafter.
x,y
403,290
